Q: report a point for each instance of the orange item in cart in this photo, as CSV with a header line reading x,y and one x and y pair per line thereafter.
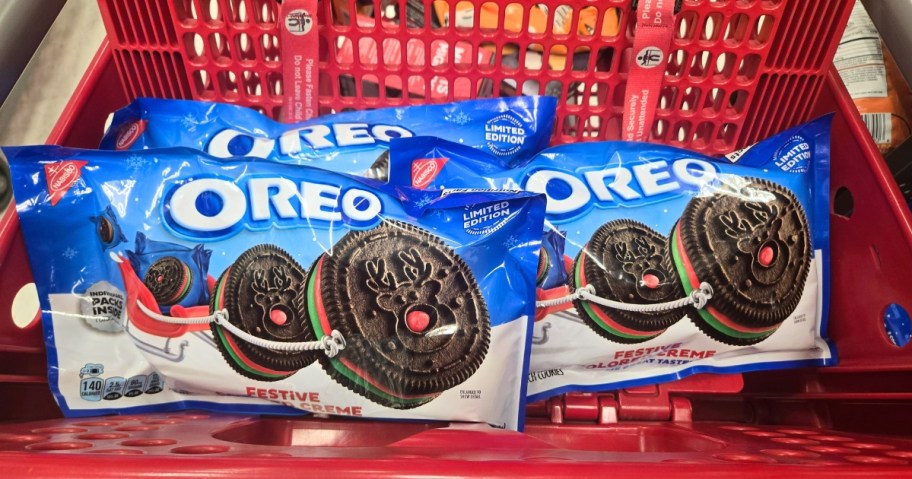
x,y
873,81
896,108
538,20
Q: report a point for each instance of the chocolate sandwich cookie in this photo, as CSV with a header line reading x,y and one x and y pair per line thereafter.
x,y
544,262
169,280
412,315
751,243
379,170
105,230
626,261
263,294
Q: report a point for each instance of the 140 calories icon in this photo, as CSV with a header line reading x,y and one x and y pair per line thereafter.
x,y
91,385
94,388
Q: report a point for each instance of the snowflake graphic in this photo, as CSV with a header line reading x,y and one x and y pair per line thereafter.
x,y
511,242
136,162
487,168
69,253
423,201
189,123
460,118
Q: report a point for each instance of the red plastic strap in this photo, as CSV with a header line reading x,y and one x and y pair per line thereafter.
x,y
655,29
300,49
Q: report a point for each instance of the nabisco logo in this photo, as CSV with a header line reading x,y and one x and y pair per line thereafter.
x,y
67,175
130,134
424,171
60,177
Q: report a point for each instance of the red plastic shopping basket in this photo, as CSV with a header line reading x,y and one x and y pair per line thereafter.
x,y
850,419
738,70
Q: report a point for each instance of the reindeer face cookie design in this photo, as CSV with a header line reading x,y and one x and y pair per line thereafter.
x,y
262,294
411,300
409,308
643,259
275,295
758,235
625,261
751,243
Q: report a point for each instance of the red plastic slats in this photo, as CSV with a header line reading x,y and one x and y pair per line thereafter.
x,y
794,36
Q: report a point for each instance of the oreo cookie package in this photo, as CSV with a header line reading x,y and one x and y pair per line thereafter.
x,y
674,262
355,142
276,289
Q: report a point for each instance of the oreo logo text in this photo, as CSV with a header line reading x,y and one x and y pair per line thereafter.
x,y
229,143
213,208
570,194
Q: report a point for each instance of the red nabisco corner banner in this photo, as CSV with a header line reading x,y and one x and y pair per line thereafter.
x,y
300,43
130,134
655,29
60,177
424,171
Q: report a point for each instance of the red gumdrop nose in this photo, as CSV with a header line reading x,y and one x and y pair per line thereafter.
x,y
417,321
278,317
767,256
651,281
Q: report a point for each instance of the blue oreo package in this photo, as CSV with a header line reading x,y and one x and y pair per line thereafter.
x,y
356,142
676,263
551,272
273,288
